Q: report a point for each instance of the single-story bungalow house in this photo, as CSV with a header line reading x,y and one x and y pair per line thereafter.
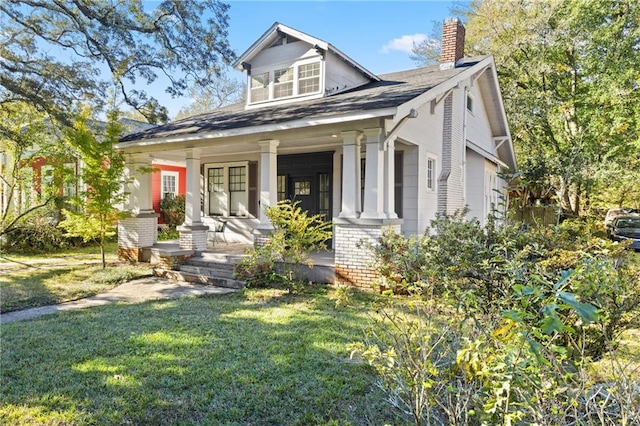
x,y
367,151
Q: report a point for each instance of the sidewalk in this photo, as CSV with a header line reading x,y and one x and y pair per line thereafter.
x,y
136,291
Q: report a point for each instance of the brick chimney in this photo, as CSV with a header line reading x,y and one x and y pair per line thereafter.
x,y
452,43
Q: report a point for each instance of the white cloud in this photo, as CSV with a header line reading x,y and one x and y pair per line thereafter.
x,y
404,43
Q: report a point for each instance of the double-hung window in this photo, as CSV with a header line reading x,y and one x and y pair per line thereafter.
x,y
260,87
283,83
228,190
169,183
296,80
309,78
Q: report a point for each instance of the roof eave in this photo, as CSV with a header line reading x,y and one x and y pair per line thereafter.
x,y
266,128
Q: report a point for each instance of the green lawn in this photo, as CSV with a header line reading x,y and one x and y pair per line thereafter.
x,y
256,357
30,281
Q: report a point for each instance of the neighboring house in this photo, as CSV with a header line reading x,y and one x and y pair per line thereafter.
x,y
60,176
366,151
167,179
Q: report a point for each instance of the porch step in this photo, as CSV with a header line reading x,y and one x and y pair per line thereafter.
x,y
221,270
201,279
213,269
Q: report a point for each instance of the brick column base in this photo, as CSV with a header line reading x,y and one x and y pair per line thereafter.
x,y
261,237
193,237
135,233
353,263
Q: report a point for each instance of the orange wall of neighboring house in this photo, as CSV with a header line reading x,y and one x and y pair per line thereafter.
x,y
39,162
156,184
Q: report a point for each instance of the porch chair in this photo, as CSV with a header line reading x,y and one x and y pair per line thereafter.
x,y
219,228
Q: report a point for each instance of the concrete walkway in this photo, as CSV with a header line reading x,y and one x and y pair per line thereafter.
x,y
137,291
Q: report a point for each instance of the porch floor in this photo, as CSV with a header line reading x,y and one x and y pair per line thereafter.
x,y
215,252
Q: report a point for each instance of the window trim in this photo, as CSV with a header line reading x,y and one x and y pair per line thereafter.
x,y
430,183
169,173
226,188
470,100
295,81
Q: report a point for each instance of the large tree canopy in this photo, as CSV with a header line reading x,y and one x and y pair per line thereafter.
x,y
55,54
570,75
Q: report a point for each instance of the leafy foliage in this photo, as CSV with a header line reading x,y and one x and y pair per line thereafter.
x,y
560,280
568,72
295,234
28,142
173,209
503,324
104,179
184,38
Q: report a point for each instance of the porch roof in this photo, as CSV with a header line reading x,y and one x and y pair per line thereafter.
x,y
391,91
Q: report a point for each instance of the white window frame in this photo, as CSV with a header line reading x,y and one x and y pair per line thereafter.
x,y
166,173
288,83
303,79
226,193
470,99
295,81
431,173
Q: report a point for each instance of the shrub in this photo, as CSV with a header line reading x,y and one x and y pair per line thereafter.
x,y
295,234
489,270
172,209
438,368
37,234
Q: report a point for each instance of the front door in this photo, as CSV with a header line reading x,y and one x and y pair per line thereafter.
x,y
303,190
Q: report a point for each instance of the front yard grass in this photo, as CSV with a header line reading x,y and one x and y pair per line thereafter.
x,y
31,281
255,357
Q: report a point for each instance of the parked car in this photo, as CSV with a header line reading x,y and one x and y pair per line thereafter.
x,y
612,213
626,227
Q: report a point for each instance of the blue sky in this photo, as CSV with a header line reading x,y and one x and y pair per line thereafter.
x,y
376,34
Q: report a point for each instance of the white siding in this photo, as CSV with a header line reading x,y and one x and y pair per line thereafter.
x,y
475,177
477,126
279,57
341,76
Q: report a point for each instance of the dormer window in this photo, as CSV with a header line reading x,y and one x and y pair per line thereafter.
x,y
309,78
260,87
283,83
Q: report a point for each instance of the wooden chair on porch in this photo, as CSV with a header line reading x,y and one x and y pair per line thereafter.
x,y
216,229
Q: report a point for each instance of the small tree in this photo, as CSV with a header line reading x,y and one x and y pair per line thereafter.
x,y
103,176
294,236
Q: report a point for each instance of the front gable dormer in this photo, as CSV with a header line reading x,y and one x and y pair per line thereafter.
x,y
286,65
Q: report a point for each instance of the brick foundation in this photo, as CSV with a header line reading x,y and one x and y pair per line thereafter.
x,y
352,259
135,233
193,237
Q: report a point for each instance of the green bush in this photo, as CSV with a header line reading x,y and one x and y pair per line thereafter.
x,y
559,272
295,234
172,209
37,234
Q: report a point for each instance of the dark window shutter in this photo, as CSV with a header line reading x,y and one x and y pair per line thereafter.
x,y
253,189
399,173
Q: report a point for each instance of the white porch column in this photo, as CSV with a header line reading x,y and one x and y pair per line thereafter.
x,y
351,204
374,176
193,234
140,187
139,230
390,179
192,196
268,180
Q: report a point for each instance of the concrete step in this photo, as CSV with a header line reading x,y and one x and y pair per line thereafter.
x,y
212,271
200,279
214,258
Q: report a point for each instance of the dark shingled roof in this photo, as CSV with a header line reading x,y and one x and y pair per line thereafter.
x,y
393,90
